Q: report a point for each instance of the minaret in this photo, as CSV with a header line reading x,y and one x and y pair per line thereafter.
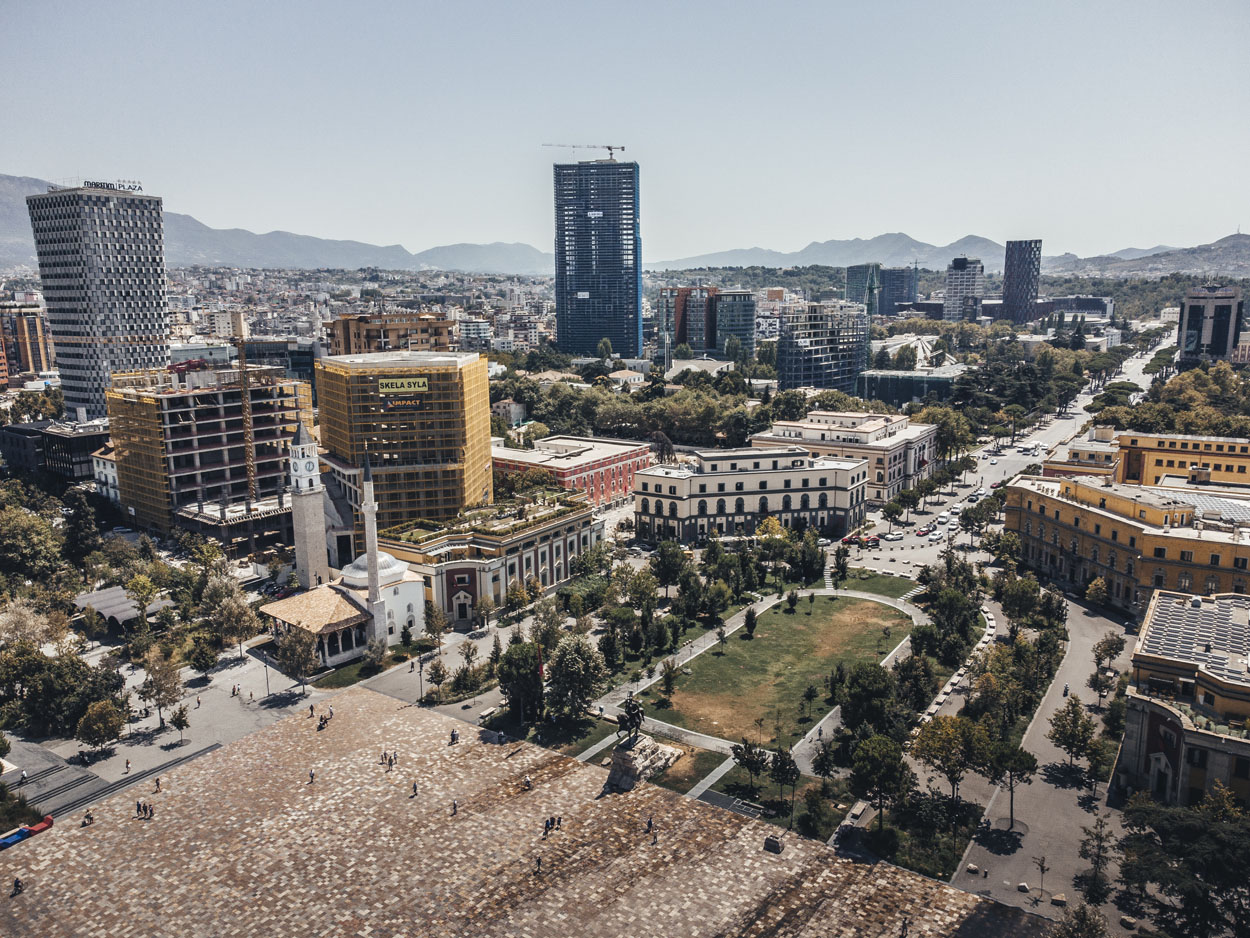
x,y
312,565
369,508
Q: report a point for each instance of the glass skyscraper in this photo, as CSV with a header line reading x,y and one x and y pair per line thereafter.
x,y
1022,269
598,258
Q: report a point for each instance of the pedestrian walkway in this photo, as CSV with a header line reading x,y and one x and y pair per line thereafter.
x,y
587,754
711,778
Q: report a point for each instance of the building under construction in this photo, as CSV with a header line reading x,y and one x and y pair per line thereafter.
x,y
205,449
382,331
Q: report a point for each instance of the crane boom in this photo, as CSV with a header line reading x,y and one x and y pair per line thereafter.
x,y
245,397
610,147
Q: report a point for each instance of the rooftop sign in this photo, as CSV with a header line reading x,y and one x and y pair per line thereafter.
x,y
122,185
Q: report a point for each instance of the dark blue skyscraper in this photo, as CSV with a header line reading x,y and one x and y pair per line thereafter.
x,y
598,258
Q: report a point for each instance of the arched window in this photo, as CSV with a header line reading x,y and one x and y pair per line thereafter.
x,y
805,502
880,476
764,505
659,507
720,506
823,500
740,506
785,502
672,509
646,506
702,507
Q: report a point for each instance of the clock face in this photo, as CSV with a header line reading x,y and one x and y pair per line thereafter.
x,y
309,466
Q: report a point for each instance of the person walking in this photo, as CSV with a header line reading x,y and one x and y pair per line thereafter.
x,y
414,789
22,780
310,711
649,824
158,783
197,701
538,870
311,776
127,772
454,807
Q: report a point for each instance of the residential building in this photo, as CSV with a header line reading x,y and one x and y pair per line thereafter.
x,y
899,388
731,491
183,457
475,333
626,379
710,366
735,317
1210,326
21,445
104,468
423,419
602,468
965,286
863,285
488,551
25,346
898,287
598,257
1189,700
68,447
383,330
822,345
102,266
898,453
1021,270
510,411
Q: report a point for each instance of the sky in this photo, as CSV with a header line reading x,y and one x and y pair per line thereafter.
x,y
1095,125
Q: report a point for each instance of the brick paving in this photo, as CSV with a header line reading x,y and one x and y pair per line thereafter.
x,y
243,845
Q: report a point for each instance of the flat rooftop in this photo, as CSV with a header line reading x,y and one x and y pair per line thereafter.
x,y
402,357
1209,632
242,844
567,452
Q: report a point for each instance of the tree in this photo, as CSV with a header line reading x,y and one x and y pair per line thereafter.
x,y
668,676
141,591
437,675
733,350
436,624
1071,729
225,610
82,534
683,352
785,771
754,759
792,600
203,657
907,500
1080,921
604,348
810,693
575,674
163,687
1011,766
749,622
866,696
101,724
375,652
520,680
716,599
668,563
1107,649
880,774
30,548
951,746
22,624
825,761
486,608
841,564
93,624
1096,593
295,652
892,512
1099,682
1098,847
180,720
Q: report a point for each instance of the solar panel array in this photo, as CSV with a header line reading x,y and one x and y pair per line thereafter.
x,y
1181,631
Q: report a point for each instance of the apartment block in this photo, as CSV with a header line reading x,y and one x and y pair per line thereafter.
x,y
863,283
392,329
898,453
732,491
181,443
1210,326
1189,700
965,286
26,349
1021,271
602,468
822,345
423,418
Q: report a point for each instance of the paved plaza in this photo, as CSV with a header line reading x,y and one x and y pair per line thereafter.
x,y
243,843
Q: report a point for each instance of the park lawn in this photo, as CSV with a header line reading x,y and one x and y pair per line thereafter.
x,y
347,675
737,784
732,686
694,763
568,737
894,586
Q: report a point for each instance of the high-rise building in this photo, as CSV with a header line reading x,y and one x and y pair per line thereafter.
x,y
598,257
965,285
180,439
26,347
1021,271
898,285
822,345
380,331
102,263
863,282
1210,326
735,316
423,420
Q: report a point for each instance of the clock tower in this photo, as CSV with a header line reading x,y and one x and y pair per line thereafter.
x,y
312,564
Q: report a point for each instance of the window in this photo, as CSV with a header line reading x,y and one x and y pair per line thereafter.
x,y
702,487
824,500
764,505
738,486
1215,560
1239,563
1241,767
720,486
702,507
646,504
1161,553
644,487
763,486
1187,556
1098,529
1132,541
1115,535
1184,581
1196,757
672,490
785,503
740,506
786,484
823,483
1213,585
720,506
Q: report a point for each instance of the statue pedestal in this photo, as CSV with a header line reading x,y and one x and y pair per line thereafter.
x,y
637,760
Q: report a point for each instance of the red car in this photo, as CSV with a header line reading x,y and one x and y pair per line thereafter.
x,y
851,540
924,532
998,485
872,541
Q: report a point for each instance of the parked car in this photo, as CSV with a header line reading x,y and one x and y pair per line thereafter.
x,y
999,484
823,542
851,540
871,541
924,531
956,510
935,537
943,518
892,536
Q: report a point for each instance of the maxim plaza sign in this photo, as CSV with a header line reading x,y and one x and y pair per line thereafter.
x,y
122,185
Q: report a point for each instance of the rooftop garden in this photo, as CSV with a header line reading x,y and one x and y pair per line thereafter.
x,y
501,519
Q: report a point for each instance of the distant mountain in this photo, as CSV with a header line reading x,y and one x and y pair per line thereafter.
x,y
892,250
1227,257
189,242
1132,254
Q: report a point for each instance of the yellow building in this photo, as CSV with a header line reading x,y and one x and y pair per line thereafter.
x,y
1189,700
1137,538
424,420
1155,460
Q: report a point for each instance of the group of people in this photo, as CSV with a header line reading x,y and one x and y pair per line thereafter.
x,y
390,759
552,824
145,810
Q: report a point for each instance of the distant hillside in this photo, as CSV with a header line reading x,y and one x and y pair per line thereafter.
x,y
189,242
1227,257
892,250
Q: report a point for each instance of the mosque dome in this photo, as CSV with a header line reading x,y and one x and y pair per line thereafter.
x,y
390,570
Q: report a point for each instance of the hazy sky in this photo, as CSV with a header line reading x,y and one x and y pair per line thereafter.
x,y
1093,125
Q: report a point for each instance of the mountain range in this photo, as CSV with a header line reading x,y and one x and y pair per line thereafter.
x,y
189,242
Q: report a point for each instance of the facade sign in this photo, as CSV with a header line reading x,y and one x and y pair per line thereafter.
x,y
122,185
402,392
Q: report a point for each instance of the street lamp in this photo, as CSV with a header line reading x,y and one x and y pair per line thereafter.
x,y
267,694
420,680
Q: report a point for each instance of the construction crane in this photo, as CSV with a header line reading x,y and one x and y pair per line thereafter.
x,y
245,395
610,147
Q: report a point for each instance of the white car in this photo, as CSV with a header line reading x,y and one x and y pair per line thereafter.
x,y
955,510
993,462
985,455
943,518
892,536
935,537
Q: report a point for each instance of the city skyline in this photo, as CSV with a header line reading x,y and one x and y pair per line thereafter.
x,y
458,157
